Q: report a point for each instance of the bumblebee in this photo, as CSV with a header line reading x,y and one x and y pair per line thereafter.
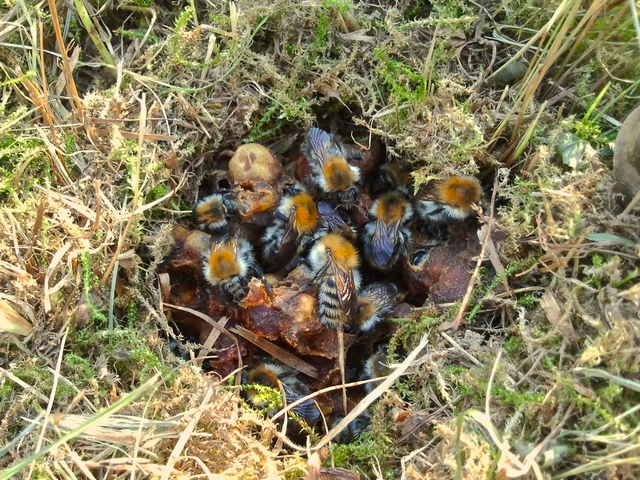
x,y
328,160
451,199
229,264
353,431
333,262
387,237
376,367
296,220
215,211
375,301
275,375
388,177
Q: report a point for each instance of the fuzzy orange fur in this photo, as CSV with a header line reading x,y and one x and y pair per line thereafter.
x,y
459,192
223,263
342,251
391,208
337,174
305,216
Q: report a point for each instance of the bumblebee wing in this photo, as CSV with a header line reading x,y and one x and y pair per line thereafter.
x,y
384,241
334,221
282,246
383,293
325,210
346,290
306,409
289,232
319,143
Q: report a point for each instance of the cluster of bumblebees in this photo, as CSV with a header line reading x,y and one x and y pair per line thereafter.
x,y
340,224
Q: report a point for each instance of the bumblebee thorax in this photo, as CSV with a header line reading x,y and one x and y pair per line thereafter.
x,y
305,214
391,208
338,174
341,251
264,376
459,192
223,263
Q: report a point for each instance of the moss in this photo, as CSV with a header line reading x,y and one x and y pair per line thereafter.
x,y
33,373
513,346
79,370
90,282
17,151
269,397
417,9
411,330
327,21
127,352
402,85
366,451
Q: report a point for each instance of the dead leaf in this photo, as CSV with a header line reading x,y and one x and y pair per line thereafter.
x,y
12,322
553,312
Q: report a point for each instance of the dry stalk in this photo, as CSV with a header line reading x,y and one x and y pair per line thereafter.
x,y
467,296
40,100
534,79
186,434
72,91
373,396
52,397
216,326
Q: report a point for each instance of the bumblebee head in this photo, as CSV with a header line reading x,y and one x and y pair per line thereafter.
x,y
264,375
213,210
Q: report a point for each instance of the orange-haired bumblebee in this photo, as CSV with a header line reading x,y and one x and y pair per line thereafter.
x,y
215,211
229,264
333,262
450,199
295,221
375,301
274,375
387,237
328,160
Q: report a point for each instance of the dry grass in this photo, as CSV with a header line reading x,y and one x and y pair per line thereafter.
x,y
110,119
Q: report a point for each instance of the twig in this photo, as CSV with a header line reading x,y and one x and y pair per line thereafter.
x,y
343,380
485,243
634,201
215,325
455,345
185,435
208,343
